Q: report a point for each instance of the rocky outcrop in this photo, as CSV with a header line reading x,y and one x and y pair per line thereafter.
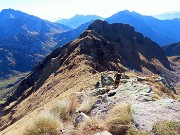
x,y
146,108
131,45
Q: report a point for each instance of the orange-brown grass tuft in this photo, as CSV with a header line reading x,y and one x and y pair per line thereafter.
x,y
65,110
163,90
92,126
119,119
42,126
160,89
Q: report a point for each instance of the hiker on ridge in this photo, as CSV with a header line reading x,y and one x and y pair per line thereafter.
x,y
117,79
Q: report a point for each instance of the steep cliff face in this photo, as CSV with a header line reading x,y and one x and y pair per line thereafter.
x,y
131,45
73,66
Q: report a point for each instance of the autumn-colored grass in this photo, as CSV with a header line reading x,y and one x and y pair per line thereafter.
x,y
42,126
119,119
91,126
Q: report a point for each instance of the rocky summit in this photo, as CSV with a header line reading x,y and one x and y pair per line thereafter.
x,y
75,77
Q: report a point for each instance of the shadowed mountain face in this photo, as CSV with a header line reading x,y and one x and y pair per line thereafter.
x,y
161,31
78,20
172,49
173,53
24,40
101,47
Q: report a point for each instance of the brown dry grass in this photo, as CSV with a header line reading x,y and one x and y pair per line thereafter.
x,y
163,90
119,119
65,110
160,89
36,103
42,126
72,105
174,59
92,126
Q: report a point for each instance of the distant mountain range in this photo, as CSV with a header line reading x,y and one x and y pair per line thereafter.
x,y
161,31
24,40
168,16
78,20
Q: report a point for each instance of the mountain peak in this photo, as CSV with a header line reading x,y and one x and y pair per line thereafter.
x,y
12,14
112,31
8,10
11,11
125,11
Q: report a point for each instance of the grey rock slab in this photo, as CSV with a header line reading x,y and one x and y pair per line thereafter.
x,y
145,114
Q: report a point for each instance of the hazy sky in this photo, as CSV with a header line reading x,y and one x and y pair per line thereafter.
x,y
54,9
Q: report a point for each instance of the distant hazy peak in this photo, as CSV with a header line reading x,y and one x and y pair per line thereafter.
x,y
77,20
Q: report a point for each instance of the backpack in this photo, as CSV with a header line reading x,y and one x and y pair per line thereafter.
x,y
118,77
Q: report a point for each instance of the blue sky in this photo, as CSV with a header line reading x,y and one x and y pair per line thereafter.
x,y
54,9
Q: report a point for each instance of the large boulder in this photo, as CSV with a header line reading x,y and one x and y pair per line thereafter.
x,y
106,80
